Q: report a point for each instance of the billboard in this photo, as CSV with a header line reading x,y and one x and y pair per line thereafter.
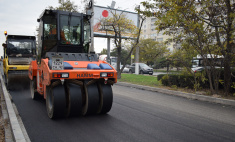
x,y
100,13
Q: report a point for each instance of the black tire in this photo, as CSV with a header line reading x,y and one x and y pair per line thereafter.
x,y
141,72
150,74
5,79
6,82
56,102
106,98
74,101
33,90
92,99
130,71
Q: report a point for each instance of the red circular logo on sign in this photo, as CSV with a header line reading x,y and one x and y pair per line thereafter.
x,y
105,13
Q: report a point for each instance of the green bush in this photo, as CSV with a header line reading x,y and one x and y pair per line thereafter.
x,y
177,80
165,80
187,81
159,77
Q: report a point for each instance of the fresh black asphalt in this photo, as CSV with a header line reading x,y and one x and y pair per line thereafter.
x,y
136,115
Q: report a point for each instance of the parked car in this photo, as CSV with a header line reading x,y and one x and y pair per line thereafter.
x,y
143,69
197,69
125,70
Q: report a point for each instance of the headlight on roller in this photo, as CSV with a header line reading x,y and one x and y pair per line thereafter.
x,y
105,74
65,75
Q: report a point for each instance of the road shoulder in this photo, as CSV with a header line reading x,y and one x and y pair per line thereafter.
x,y
16,132
181,94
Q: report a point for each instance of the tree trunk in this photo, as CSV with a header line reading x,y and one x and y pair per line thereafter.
x,y
229,42
216,77
195,83
210,81
227,76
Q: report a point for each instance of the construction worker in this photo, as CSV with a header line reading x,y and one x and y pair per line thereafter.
x,y
53,32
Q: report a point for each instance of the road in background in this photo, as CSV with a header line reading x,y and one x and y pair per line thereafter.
x,y
157,73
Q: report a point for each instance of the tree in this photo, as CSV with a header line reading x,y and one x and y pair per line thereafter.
x,y
150,50
104,51
65,6
207,26
184,58
160,63
120,25
124,53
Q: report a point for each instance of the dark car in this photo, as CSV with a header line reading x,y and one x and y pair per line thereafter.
x,y
143,69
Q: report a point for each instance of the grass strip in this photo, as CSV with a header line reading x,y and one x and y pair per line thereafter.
x,y
147,80
170,71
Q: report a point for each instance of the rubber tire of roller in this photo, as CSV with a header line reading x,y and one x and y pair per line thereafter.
x,y
34,95
92,99
75,100
6,82
107,96
56,102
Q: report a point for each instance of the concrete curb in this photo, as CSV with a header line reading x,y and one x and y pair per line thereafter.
x,y
7,127
17,132
181,94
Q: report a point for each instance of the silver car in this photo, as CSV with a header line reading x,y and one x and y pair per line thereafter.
x,y
143,69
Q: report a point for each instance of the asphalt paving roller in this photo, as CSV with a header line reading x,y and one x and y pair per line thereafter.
x,y
73,80
19,51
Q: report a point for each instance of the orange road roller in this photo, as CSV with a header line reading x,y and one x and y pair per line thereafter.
x,y
71,79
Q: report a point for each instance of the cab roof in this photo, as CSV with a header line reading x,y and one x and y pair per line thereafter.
x,y
20,37
49,12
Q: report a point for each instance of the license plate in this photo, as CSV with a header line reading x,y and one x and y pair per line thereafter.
x,y
57,63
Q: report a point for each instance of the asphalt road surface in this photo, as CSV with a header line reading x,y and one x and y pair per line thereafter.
x,y
136,116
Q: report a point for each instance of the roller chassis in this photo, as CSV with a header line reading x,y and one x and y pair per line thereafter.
x,y
83,92
11,75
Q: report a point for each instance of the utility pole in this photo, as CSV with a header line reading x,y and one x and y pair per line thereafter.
x,y
108,50
108,38
137,50
92,25
137,60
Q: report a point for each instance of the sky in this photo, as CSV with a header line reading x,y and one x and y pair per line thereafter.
x,y
19,17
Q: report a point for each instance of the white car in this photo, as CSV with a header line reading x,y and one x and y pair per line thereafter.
x,y
125,70
197,69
